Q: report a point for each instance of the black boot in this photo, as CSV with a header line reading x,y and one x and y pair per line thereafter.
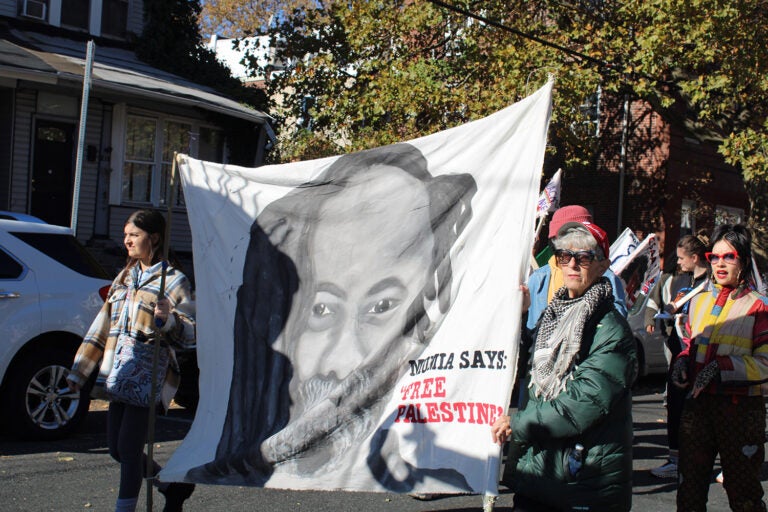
x,y
175,494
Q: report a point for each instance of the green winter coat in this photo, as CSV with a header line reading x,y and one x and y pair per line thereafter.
x,y
595,410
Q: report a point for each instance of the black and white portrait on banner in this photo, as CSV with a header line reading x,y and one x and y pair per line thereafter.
x,y
369,339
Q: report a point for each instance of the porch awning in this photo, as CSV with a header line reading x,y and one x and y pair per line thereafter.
x,y
44,58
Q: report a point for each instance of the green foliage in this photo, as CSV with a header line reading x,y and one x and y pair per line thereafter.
x,y
748,149
386,70
171,42
381,72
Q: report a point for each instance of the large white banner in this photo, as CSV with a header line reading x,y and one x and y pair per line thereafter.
x,y
358,316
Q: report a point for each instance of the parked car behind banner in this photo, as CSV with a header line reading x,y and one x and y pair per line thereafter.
x,y
650,347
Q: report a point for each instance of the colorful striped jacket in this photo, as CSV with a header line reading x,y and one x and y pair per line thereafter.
x,y
130,308
731,327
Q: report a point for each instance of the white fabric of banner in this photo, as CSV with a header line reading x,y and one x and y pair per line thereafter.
x,y
358,316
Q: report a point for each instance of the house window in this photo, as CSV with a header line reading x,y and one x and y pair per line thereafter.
x,y
176,137
74,13
150,143
687,219
728,215
114,18
35,9
210,146
138,170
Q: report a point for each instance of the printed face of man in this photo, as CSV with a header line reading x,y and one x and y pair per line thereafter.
x,y
371,254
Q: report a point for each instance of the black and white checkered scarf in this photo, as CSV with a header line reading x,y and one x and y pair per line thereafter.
x,y
559,337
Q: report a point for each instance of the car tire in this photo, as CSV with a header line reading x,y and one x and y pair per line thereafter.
x,y
38,401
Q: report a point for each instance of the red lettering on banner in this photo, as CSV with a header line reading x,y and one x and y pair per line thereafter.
x,y
460,407
432,412
415,390
445,408
427,388
482,413
427,393
447,412
440,387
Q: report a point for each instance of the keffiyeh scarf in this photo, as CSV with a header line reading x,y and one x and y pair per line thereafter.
x,y
558,339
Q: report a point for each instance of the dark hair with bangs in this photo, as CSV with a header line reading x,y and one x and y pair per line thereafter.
x,y
740,237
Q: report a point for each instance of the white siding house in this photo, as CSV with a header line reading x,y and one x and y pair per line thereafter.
x,y
137,117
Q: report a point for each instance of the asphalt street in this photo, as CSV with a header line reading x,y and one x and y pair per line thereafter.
x,y
78,474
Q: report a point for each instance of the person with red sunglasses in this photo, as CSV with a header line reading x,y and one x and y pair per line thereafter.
x,y
722,366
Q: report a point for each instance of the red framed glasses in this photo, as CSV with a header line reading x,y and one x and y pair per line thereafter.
x,y
728,257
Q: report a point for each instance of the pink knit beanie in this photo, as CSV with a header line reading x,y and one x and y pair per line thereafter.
x,y
572,213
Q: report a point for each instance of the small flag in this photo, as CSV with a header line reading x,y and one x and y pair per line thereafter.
x,y
622,249
549,200
639,269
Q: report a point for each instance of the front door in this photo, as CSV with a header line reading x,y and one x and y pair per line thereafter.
x,y
53,171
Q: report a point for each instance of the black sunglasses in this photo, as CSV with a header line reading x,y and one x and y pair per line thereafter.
x,y
583,258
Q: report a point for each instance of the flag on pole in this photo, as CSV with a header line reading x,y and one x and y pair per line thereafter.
x,y
549,199
638,268
357,319
622,248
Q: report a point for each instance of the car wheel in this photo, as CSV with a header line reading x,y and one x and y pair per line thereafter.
x,y
40,404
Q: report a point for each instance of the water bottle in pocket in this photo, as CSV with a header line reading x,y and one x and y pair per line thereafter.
x,y
575,460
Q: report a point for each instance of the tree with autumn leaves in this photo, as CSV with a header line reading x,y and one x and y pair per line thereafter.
x,y
367,73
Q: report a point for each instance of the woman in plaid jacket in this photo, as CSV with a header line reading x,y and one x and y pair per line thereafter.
x,y
133,309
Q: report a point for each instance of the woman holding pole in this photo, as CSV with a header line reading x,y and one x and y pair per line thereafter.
x,y
150,303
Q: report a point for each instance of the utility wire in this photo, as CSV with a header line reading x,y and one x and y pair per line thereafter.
x,y
572,53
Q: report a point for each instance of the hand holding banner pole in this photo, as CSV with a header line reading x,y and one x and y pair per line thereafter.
x,y
156,353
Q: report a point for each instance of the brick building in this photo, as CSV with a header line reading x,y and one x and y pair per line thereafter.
x,y
674,182
137,117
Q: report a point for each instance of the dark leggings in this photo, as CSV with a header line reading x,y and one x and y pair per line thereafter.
x,y
733,427
675,400
126,437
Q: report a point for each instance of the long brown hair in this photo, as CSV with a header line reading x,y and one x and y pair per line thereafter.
x,y
695,245
153,223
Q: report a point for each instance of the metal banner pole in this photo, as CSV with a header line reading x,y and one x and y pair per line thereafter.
x,y
150,477
91,49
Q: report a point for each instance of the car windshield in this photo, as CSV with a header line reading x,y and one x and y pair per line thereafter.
x,y
66,250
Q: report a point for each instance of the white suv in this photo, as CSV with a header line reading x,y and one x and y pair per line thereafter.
x,y
50,291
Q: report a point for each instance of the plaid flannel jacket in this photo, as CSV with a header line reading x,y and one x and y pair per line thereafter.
x,y
129,308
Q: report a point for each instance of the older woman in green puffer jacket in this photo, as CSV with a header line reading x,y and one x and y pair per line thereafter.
x,y
571,442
